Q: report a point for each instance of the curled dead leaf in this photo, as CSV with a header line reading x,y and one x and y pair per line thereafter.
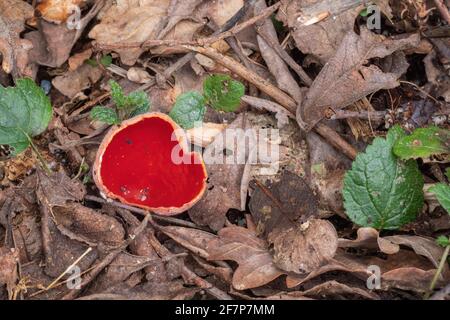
x,y
256,267
305,248
345,79
370,238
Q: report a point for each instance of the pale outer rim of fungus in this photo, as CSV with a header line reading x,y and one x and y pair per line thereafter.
x,y
182,140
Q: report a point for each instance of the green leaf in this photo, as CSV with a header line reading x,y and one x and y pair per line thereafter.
x,y
442,192
117,94
423,143
188,109
138,103
25,112
381,191
105,114
222,92
443,241
106,60
447,173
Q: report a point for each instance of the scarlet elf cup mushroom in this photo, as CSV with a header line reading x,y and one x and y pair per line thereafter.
x,y
145,162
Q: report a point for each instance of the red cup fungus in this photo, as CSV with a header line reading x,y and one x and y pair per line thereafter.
x,y
135,165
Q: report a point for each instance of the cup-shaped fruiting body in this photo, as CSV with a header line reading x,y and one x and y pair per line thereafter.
x,y
145,162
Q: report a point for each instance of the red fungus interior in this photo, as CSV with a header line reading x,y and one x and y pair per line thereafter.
x,y
137,166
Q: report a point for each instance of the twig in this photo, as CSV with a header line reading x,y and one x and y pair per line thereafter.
x,y
107,260
262,84
50,286
278,95
268,105
287,58
443,10
143,212
187,273
336,140
365,115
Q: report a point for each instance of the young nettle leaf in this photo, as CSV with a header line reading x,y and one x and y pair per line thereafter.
x,y
222,92
382,191
25,112
117,94
105,114
138,102
423,143
188,109
442,192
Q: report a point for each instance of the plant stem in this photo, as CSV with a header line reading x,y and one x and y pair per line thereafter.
x,y
438,271
39,156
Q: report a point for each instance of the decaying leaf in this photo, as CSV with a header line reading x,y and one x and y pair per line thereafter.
x,y
305,248
13,48
52,43
134,21
8,268
225,165
345,78
370,238
282,204
73,82
256,267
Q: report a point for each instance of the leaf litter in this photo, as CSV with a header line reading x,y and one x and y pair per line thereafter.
x,y
306,224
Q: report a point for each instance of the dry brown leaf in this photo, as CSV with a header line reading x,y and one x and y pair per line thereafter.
x,y
256,267
52,43
320,39
8,268
193,239
13,48
135,21
58,11
224,183
328,167
305,248
274,62
78,59
281,205
345,78
204,135
370,238
138,75
73,82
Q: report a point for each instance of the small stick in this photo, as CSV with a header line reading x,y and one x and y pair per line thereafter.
x,y
143,212
438,271
336,140
50,286
365,115
187,273
107,260
278,95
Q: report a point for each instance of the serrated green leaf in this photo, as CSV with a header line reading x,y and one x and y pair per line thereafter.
x,y
443,241
442,192
222,92
117,94
381,191
106,60
138,103
188,109
423,143
25,112
104,114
